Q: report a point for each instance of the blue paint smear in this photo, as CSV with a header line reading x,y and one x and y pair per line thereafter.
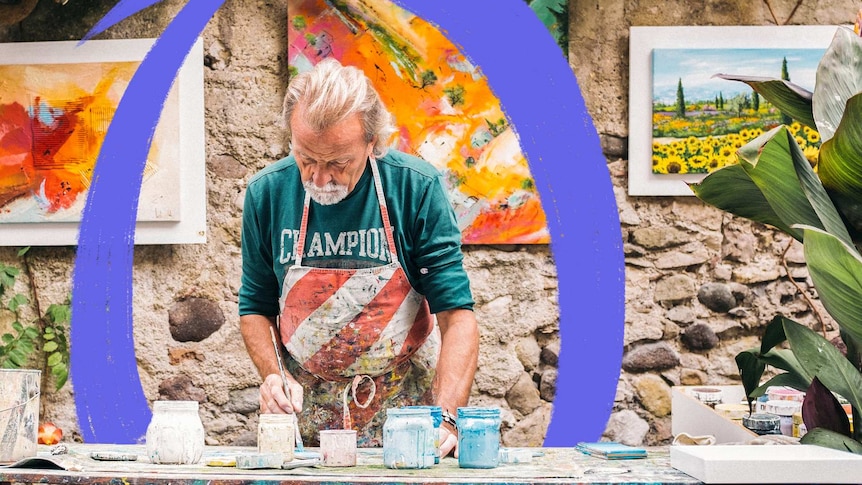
x,y
109,399
540,95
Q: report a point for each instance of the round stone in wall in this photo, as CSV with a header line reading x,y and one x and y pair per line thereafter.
x,y
699,337
194,319
653,356
717,297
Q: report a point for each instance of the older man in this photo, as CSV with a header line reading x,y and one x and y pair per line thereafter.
x,y
353,251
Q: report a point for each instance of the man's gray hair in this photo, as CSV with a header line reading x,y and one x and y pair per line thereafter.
x,y
330,93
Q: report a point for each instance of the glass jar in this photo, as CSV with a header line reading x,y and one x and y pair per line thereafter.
x,y
763,423
437,419
275,434
408,438
175,435
478,437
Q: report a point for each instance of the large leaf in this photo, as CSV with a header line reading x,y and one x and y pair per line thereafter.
x,y
769,161
751,370
787,379
793,100
836,269
840,165
831,439
839,76
820,409
732,190
820,358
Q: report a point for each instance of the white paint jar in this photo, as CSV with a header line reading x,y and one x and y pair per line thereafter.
x,y
175,435
275,434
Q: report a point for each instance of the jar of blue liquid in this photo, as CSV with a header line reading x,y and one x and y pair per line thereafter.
x,y
408,438
478,437
437,419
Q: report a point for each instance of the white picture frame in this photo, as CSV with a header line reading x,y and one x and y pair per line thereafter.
x,y
642,43
182,220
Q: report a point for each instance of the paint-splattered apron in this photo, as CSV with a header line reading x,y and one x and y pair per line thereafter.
x,y
344,328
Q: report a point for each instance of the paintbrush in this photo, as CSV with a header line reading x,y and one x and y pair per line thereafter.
x,y
299,445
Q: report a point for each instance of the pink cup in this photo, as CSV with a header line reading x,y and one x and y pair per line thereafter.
x,y
338,447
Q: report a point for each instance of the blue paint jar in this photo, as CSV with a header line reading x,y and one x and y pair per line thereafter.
x,y
408,438
437,419
478,437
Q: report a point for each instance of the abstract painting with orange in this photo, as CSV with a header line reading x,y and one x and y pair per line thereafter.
x,y
53,120
444,109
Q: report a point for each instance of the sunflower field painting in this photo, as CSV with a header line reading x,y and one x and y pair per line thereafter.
x,y
444,110
699,121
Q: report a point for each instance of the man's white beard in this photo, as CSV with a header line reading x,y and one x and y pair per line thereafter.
x,y
329,194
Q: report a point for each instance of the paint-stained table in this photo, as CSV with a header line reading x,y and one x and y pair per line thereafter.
x,y
555,465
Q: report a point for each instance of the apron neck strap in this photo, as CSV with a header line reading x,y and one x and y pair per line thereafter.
x,y
384,215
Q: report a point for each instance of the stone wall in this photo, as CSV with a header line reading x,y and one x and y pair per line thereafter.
x,y
186,329
700,284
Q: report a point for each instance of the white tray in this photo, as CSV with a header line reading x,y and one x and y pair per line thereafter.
x,y
767,464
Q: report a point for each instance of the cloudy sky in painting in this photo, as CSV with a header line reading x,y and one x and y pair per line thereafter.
x,y
696,68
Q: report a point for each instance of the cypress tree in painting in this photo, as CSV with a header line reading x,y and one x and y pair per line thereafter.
x,y
786,120
680,101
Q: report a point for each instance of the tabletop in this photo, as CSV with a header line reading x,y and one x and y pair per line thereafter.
x,y
548,465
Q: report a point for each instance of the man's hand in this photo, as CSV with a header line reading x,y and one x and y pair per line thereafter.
x,y
274,401
448,441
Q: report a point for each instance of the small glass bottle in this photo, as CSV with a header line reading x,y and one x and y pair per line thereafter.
x,y
478,437
275,434
408,438
175,435
437,419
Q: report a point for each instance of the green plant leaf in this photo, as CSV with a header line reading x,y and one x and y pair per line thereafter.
x,y
791,99
61,374
54,359
751,370
31,332
16,301
59,313
23,251
50,346
836,269
820,358
831,439
732,190
839,76
840,166
17,357
8,338
16,325
770,162
787,379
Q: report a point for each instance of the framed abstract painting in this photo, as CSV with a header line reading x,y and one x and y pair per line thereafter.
x,y
56,103
684,122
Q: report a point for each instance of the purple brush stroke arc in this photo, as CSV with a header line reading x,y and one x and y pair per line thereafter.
x,y
109,398
540,95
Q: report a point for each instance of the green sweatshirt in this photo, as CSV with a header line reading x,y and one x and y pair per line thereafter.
x,y
350,234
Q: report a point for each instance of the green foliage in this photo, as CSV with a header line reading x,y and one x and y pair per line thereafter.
x,y
43,339
554,14
820,206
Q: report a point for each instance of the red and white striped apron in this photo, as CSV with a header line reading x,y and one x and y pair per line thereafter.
x,y
339,323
